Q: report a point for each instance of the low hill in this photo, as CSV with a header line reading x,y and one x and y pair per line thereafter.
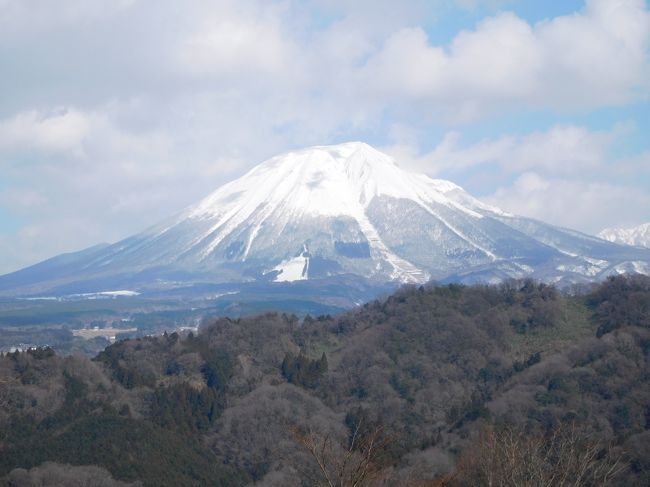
x,y
439,385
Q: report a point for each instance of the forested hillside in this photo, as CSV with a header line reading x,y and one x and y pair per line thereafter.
x,y
515,384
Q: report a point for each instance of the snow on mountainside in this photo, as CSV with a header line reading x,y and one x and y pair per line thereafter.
x,y
327,184
327,212
639,236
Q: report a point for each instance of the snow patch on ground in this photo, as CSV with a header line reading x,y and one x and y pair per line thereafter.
x,y
292,269
112,294
295,269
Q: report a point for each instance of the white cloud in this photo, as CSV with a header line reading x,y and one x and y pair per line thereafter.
x,y
27,245
596,58
374,54
582,205
163,100
561,150
76,169
236,42
473,5
565,176
58,130
24,17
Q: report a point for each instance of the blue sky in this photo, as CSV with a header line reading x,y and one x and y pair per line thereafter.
x,y
115,115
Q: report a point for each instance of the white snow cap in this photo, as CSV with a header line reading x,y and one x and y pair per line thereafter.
x,y
324,181
327,180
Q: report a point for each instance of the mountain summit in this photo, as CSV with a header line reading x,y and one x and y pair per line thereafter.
x,y
318,212
327,212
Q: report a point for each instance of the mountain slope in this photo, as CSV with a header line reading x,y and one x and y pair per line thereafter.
x,y
639,236
330,211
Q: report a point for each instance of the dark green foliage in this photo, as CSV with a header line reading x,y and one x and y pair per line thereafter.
x,y
620,301
185,408
51,474
534,304
533,359
303,371
41,353
217,370
164,448
130,377
129,449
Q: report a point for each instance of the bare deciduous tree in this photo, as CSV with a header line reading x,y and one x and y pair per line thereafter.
x,y
359,464
507,457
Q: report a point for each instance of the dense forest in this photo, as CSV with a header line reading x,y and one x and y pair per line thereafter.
x,y
515,384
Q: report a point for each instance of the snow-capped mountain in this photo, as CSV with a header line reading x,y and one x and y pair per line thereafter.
x,y
327,212
639,236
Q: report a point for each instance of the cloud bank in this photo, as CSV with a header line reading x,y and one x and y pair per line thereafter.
x,y
117,114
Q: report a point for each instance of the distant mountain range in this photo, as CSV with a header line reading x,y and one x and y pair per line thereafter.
x,y
639,236
343,213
